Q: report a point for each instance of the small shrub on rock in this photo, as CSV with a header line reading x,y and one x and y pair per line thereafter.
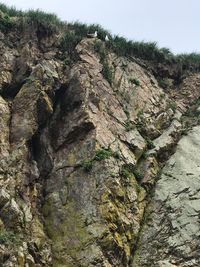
x,y
87,165
135,81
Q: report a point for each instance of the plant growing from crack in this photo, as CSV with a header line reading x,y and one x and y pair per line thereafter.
x,y
134,81
101,154
150,143
87,165
99,47
9,237
127,171
129,126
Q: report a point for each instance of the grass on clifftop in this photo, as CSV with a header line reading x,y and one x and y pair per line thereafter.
x,y
120,45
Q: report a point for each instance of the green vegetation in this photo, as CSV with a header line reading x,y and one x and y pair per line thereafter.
x,y
69,41
30,79
164,83
5,23
190,118
127,171
11,11
67,61
172,104
140,113
81,30
134,81
76,32
138,174
33,15
145,154
87,165
150,144
48,23
47,19
126,96
100,48
8,237
101,154
126,111
116,155
140,126
129,126
193,111
107,72
148,51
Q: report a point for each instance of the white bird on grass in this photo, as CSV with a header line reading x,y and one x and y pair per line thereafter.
x,y
92,35
106,38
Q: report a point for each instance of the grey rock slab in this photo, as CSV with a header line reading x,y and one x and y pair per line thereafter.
x,y
167,139
173,229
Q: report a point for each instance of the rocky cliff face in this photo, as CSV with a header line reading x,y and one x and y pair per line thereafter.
x,y
90,170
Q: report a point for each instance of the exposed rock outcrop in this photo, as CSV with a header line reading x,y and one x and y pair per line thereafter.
x,y
170,235
83,140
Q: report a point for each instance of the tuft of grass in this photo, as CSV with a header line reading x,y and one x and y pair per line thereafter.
x,y
67,61
140,113
116,155
138,175
126,111
102,154
47,19
121,46
81,29
126,171
134,81
140,126
129,126
148,50
69,41
107,72
9,237
164,83
5,23
172,104
100,48
30,79
150,144
87,165
11,11
192,112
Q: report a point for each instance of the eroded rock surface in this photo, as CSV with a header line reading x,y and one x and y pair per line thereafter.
x,y
170,235
80,154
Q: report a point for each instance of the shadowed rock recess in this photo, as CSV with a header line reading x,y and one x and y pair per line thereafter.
x,y
99,164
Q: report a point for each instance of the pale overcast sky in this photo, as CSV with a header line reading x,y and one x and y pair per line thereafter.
x,y
171,23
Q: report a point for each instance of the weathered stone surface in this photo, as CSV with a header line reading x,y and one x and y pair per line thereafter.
x,y
165,142
77,163
170,236
188,92
11,214
4,197
4,127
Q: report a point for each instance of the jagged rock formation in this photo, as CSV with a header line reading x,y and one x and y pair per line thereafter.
x,y
80,156
170,236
